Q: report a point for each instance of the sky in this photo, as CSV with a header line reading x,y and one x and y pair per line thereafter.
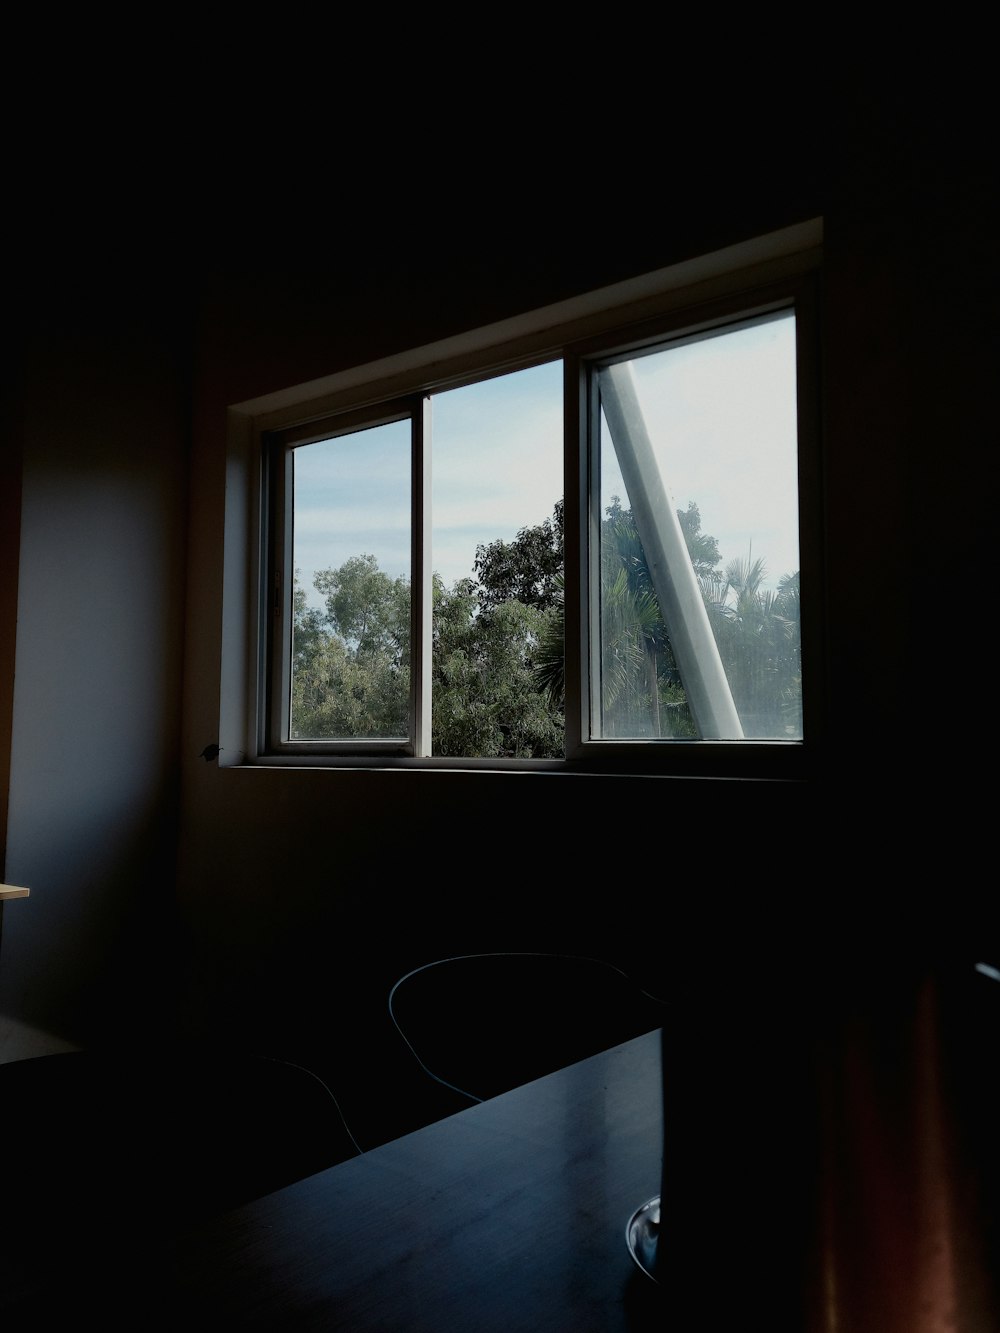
x,y
720,413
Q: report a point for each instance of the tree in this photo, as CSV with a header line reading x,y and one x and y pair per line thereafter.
x,y
758,633
486,700
308,628
703,549
550,652
335,694
641,691
350,666
642,694
367,608
498,654
524,570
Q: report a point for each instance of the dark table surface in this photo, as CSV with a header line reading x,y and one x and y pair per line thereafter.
x,y
829,1154
510,1215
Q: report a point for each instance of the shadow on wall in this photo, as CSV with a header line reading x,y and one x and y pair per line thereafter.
x,y
89,959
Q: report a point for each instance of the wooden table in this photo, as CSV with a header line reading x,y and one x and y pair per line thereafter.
x,y
508,1216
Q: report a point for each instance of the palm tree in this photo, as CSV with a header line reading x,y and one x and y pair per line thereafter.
x,y
637,662
642,695
550,651
641,691
758,633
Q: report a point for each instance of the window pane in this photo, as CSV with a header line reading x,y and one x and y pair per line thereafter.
x,y
350,676
699,617
497,555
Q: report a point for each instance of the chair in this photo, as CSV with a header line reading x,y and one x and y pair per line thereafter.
x,y
481,1024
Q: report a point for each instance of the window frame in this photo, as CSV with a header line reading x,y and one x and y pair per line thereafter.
x,y
773,758
273,711
690,300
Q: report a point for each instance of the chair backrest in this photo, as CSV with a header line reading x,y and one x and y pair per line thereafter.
x,y
484,1023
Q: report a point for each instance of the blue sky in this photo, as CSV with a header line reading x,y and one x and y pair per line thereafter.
x,y
720,413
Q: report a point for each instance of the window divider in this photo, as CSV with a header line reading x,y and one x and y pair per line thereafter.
x,y
422,602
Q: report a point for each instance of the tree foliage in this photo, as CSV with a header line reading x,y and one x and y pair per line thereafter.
x,y
642,694
486,699
350,687
498,659
366,608
524,570
351,662
757,630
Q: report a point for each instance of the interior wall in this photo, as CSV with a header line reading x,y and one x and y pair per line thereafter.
x,y
270,833
92,814
285,903
10,549
303,892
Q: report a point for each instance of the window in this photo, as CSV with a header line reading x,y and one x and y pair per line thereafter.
x,y
582,540
698,633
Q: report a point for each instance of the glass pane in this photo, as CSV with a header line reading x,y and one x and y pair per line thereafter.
x,y
497,555
700,617
350,675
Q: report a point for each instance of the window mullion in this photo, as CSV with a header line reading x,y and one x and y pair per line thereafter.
x,y
422,585
278,597
576,620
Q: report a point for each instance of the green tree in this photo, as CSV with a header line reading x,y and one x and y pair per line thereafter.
x,y
641,690
498,655
642,695
756,630
524,570
351,669
367,608
350,665
486,700
550,652
758,633
703,549
337,695
308,628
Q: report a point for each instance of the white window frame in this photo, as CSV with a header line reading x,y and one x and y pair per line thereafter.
x,y
768,273
273,710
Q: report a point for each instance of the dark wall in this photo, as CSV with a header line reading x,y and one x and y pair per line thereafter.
x,y
102,412
300,893
304,894
275,910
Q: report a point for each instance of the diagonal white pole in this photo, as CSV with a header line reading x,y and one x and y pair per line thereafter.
x,y
674,580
